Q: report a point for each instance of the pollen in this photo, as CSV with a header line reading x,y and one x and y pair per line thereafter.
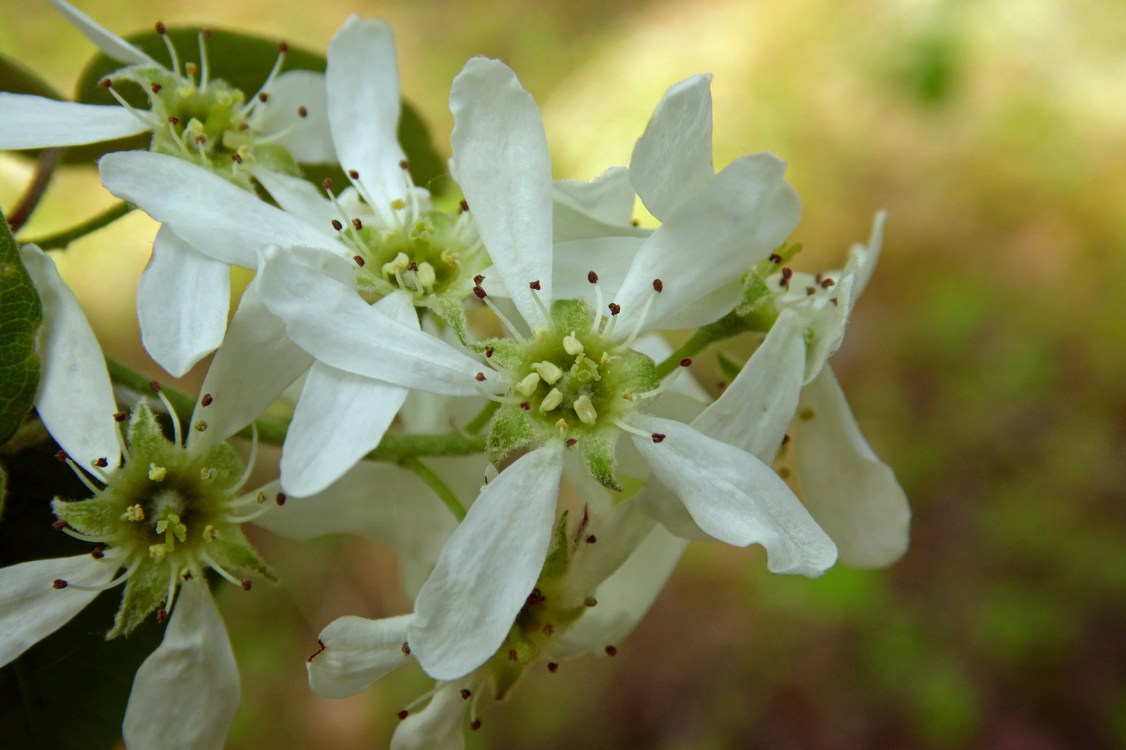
x,y
133,513
157,473
585,411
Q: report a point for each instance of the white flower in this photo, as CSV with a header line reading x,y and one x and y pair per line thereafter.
x,y
551,403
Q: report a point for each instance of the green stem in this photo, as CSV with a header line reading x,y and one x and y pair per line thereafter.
x,y
726,327
478,422
67,236
44,171
444,493
122,374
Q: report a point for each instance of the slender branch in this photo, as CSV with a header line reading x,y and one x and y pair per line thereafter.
x,y
94,223
726,327
44,170
444,493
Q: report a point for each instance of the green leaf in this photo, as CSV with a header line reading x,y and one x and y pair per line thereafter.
x,y
244,61
16,79
21,313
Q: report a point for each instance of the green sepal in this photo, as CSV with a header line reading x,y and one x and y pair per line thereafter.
x,y
144,593
729,368
559,553
507,355
511,429
598,452
232,550
452,313
756,308
22,314
146,437
98,516
276,157
637,369
222,460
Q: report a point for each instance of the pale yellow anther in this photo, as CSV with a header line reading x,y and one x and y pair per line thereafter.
x,y
398,204
572,345
158,552
562,425
210,533
585,411
260,497
426,275
224,98
157,473
606,358
627,395
133,513
549,371
449,258
397,265
206,474
527,386
551,400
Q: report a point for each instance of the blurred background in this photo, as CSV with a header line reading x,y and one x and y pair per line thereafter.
x,y
984,364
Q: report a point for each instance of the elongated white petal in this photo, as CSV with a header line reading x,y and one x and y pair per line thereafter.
x,y
186,693
210,214
672,160
34,122
436,727
851,493
754,411
869,254
256,363
31,608
736,498
609,257
502,165
108,42
182,303
339,418
298,197
75,399
708,242
488,567
356,652
329,320
308,139
608,198
363,101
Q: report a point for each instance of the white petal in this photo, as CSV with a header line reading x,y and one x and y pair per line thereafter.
x,y
339,418
851,493
488,567
333,323
609,257
502,165
735,221
31,608
869,254
357,652
182,303
255,364
585,210
212,215
308,138
108,42
186,693
34,122
75,398
672,160
363,101
754,411
298,197
436,727
736,498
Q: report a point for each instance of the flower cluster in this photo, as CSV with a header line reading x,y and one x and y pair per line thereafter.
x,y
510,335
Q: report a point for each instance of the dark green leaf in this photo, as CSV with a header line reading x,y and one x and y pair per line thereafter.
x,y
20,316
16,79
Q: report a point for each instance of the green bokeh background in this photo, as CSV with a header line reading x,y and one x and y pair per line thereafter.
x,y
985,364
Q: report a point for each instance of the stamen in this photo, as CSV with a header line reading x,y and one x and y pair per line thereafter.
x,y
501,316
160,29
146,118
204,35
219,568
134,564
250,459
81,475
535,287
631,429
592,277
176,435
282,49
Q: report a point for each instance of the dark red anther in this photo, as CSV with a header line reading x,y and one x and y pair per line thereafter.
x,y
787,272
686,362
465,694
59,525
404,164
263,97
548,629
327,183
785,438
809,290
120,416
206,400
187,575
61,457
827,283
835,301
489,351
236,158
478,279
570,441
207,33
283,46
412,266
156,87
154,386
479,377
246,584
590,601
173,120
337,225
658,286
357,224
534,285
60,583
591,539
475,725
658,437
160,28
406,648
479,292
403,714
592,277
162,615
320,650
552,667
97,553
536,597
611,650
353,174
280,498
359,260
464,205
302,112
102,462
615,308
526,406
775,258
